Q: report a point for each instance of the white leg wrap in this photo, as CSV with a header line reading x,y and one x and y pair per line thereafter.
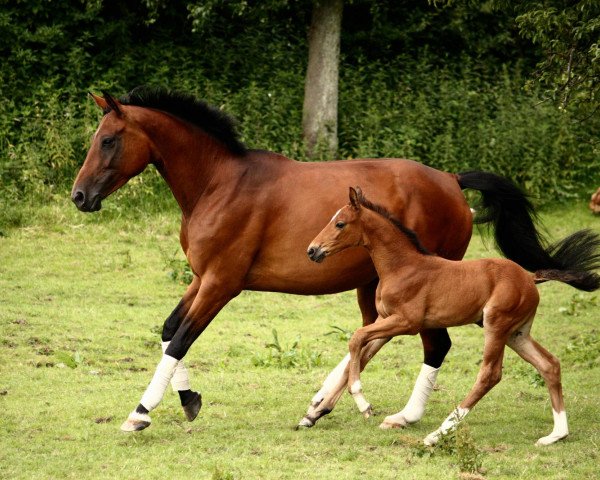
x,y
561,429
447,426
181,379
156,390
331,381
415,408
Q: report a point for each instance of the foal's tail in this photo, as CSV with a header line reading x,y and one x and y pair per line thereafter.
x,y
513,218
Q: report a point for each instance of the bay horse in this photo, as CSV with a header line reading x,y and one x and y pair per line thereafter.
x,y
247,216
418,290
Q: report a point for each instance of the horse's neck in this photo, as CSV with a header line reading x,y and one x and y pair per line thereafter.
x,y
390,249
187,158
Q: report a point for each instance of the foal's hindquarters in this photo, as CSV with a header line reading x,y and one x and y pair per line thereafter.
x,y
506,314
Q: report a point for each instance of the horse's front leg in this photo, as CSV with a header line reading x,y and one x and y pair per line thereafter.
x,y
191,401
436,344
211,297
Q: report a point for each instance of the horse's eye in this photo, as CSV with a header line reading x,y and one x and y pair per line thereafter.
x,y
340,225
108,142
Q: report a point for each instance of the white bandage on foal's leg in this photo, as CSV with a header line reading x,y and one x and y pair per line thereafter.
x,y
158,385
448,425
181,379
415,407
561,429
331,381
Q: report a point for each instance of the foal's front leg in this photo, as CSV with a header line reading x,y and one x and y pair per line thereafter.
x,y
382,328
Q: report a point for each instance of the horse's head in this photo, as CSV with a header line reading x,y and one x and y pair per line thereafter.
x,y
120,150
343,231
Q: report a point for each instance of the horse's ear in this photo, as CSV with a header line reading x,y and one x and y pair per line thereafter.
x,y
112,104
99,101
354,200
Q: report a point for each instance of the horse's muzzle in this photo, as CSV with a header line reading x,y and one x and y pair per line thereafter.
x,y
86,203
316,254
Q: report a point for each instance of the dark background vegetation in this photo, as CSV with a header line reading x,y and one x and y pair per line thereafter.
x,y
457,86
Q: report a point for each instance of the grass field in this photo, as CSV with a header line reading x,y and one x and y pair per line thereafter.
x,y
82,301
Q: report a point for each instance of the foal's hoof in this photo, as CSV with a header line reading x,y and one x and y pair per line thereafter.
x,y
136,422
306,422
192,408
368,412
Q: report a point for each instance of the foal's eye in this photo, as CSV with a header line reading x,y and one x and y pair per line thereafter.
x,y
340,225
108,142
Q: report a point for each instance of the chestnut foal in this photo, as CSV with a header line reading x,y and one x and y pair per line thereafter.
x,y
419,290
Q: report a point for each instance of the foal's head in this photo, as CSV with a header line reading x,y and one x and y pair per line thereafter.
x,y
120,150
343,231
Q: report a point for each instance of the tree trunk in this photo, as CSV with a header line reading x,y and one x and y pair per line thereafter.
x,y
319,116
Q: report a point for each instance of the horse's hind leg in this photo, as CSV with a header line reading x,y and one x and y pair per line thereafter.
x,y
549,368
191,401
436,344
489,375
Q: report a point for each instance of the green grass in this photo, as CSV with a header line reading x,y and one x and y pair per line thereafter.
x,y
82,300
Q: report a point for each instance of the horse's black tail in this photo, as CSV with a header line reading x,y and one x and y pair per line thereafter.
x,y
513,218
579,255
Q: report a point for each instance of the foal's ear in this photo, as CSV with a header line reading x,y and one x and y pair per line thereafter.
x,y
354,201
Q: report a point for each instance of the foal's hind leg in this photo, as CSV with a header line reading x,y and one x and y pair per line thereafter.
x,y
489,375
549,368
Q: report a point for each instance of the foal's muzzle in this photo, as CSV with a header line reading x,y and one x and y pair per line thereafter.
x,y
316,253
86,203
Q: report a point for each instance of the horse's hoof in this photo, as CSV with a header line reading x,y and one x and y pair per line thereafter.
x,y
549,440
393,421
136,422
192,408
368,412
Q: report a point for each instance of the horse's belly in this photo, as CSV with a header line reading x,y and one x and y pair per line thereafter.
x,y
344,271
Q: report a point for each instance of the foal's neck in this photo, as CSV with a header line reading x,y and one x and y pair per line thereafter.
x,y
390,249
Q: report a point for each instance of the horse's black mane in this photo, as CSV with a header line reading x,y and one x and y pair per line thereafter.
x,y
187,107
410,234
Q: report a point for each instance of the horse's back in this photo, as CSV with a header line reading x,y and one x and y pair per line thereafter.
x,y
297,199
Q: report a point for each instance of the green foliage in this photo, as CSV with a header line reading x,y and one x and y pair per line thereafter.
x,y
287,357
439,85
460,445
340,333
584,349
567,31
579,303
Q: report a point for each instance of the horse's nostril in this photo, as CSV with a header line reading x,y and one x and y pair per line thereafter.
x,y
78,197
311,251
